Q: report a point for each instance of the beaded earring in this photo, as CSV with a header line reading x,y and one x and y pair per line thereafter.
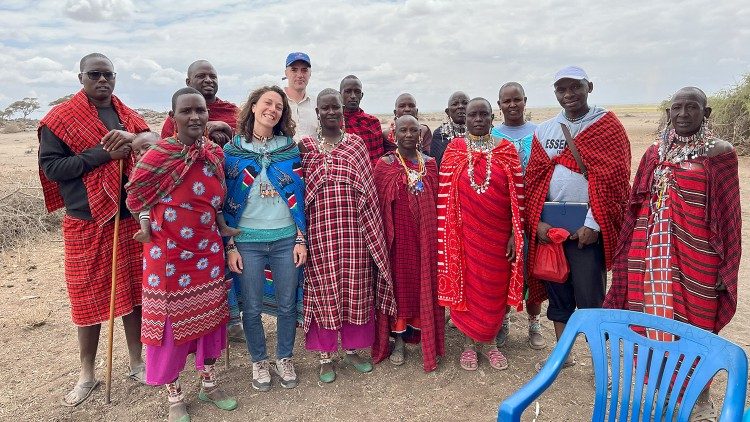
x,y
319,129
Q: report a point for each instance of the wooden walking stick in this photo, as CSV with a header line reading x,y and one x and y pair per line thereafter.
x,y
111,332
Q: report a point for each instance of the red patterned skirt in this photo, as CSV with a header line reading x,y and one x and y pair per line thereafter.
x,y
88,269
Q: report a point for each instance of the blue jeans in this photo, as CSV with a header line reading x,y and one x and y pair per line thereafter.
x,y
255,256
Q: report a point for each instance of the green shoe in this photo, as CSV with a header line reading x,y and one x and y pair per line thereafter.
x,y
178,412
327,372
224,403
360,364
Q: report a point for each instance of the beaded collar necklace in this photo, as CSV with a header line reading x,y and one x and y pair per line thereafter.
x,y
451,130
414,177
326,147
262,138
483,145
673,150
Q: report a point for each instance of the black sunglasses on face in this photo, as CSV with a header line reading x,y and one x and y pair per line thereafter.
x,y
95,75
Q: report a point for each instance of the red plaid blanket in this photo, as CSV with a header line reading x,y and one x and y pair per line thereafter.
x,y
605,149
77,123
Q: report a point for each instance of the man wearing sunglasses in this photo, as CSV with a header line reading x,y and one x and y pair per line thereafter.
x,y
81,142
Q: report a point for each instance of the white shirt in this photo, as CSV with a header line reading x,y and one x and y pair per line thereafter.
x,y
565,184
303,114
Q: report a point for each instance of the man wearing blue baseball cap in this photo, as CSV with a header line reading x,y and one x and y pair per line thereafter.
x,y
577,179
297,74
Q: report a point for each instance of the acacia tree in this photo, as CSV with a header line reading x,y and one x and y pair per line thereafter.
x,y
61,100
25,107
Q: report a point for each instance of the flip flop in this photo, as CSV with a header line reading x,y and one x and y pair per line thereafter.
x,y
567,364
138,374
79,393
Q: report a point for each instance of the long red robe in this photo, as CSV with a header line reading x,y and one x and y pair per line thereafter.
x,y
723,221
475,278
411,238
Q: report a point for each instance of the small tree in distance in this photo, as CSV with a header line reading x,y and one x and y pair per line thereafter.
x,y
61,100
25,107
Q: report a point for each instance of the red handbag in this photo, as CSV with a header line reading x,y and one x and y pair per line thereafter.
x,y
550,263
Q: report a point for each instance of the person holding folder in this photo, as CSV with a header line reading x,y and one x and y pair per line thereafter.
x,y
577,179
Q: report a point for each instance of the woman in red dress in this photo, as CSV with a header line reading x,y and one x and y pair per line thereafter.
x,y
480,241
180,182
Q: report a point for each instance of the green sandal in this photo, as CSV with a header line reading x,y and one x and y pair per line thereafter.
x,y
327,371
223,403
361,365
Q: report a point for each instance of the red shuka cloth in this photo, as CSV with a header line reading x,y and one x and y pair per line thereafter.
x,y
605,149
88,269
722,218
368,128
219,110
76,122
410,226
183,275
475,278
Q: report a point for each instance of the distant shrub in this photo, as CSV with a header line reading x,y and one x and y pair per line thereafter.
x,y
731,115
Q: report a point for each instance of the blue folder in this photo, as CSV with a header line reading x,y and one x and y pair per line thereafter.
x,y
565,215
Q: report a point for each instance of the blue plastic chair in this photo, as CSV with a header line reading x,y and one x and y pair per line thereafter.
x,y
642,360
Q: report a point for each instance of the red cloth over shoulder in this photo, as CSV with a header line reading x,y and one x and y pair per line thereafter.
x,y
76,122
605,149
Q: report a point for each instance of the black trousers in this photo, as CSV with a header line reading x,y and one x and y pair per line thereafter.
x,y
586,283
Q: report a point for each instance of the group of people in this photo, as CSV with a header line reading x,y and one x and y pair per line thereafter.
x,y
391,226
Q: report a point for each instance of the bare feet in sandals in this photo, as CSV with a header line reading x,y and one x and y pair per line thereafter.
x,y
469,360
497,358
79,393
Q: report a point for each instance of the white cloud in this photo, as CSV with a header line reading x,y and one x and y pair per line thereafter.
x,y
637,51
96,10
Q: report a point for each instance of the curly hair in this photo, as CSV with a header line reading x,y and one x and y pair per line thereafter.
x,y
246,118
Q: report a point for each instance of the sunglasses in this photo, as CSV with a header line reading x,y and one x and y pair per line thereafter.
x,y
95,75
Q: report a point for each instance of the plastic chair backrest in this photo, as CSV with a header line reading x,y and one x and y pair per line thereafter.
x,y
651,374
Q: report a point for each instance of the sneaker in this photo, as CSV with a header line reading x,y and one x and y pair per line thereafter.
x,y
284,368
536,339
261,375
502,335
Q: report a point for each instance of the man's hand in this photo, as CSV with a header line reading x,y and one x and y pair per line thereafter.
x,y
585,236
116,139
541,232
219,132
120,154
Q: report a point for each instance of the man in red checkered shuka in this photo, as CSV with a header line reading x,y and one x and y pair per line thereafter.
x,y
80,144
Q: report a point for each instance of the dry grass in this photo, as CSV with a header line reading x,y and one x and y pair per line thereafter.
x,y
23,215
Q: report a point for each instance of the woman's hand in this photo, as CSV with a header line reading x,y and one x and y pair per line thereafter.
x,y
234,261
510,250
300,255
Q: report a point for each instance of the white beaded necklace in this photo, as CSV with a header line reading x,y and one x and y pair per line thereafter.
x,y
483,145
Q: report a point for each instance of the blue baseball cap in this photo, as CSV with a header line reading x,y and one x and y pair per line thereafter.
x,y
297,56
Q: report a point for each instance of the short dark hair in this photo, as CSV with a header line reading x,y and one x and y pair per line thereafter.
x,y
328,91
512,84
246,118
92,56
183,91
481,99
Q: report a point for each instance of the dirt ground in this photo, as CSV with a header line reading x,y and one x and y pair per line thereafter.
x,y
41,362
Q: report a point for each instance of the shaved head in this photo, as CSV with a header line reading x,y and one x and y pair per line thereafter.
x,y
405,118
455,95
696,92
514,85
194,65
482,100
85,58
405,96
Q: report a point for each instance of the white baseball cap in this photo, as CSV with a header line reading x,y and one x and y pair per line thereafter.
x,y
571,72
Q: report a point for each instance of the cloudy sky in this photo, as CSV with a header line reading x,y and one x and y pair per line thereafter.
x,y
634,51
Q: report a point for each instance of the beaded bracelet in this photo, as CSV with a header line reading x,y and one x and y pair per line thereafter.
x,y
300,240
230,247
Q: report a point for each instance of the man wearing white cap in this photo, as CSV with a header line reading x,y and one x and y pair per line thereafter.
x,y
578,179
297,74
